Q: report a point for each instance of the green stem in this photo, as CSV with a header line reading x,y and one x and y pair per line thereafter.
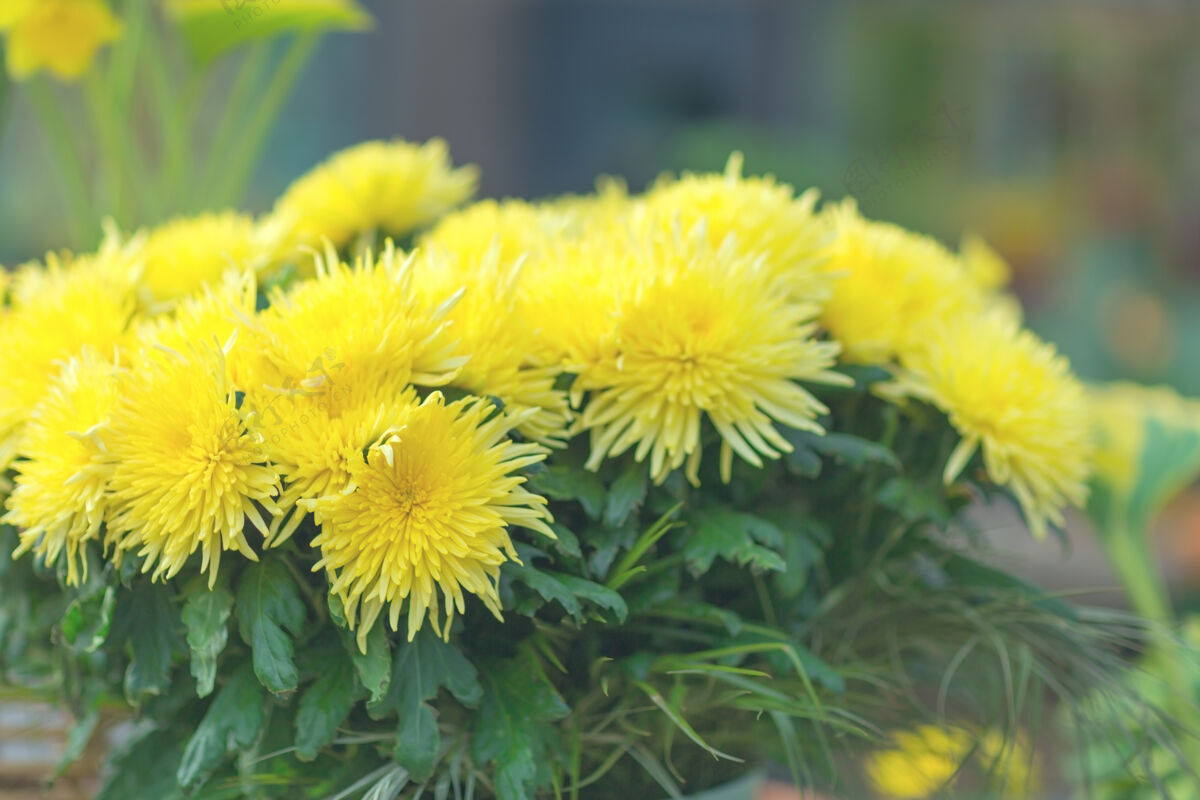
x,y
116,151
230,189
81,218
172,109
249,74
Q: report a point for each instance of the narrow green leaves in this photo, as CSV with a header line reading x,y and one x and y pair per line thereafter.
x,y
269,607
205,617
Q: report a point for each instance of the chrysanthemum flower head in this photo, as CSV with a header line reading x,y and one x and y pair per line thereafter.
x,y
1013,396
504,360
58,504
391,187
55,312
184,255
514,229
210,316
59,36
362,330
187,473
888,286
764,216
429,513
697,332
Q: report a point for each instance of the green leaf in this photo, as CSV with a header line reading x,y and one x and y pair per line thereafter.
x,y
853,451
144,766
512,729
205,617
374,667
803,549
213,26
564,482
146,619
596,593
566,542
86,623
566,590
968,573
737,537
77,741
916,502
233,721
419,669
326,704
268,608
626,494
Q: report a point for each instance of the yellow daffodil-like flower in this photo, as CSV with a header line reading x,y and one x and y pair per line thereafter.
x,y
58,504
351,333
59,36
764,216
889,286
502,344
185,255
55,312
669,330
927,760
394,188
429,512
187,474
1014,396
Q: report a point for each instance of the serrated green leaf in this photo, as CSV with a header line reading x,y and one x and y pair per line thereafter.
x,y
85,624
512,729
205,617
146,618
212,27
326,703
564,482
419,669
233,721
916,502
547,586
596,593
269,607
853,451
566,542
626,494
735,536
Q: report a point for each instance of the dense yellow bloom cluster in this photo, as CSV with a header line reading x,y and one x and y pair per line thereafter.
x,y
161,403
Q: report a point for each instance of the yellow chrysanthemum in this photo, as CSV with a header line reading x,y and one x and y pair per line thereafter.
x,y
185,255
889,287
514,229
984,265
1014,396
429,511
501,342
764,216
361,329
666,330
927,759
186,473
55,312
390,187
60,36
210,316
58,504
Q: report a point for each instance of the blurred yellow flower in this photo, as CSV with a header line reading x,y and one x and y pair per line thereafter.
x,y
889,286
58,504
514,229
764,216
1014,396
503,350
56,311
184,255
393,188
927,760
59,36
429,511
209,317
187,473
